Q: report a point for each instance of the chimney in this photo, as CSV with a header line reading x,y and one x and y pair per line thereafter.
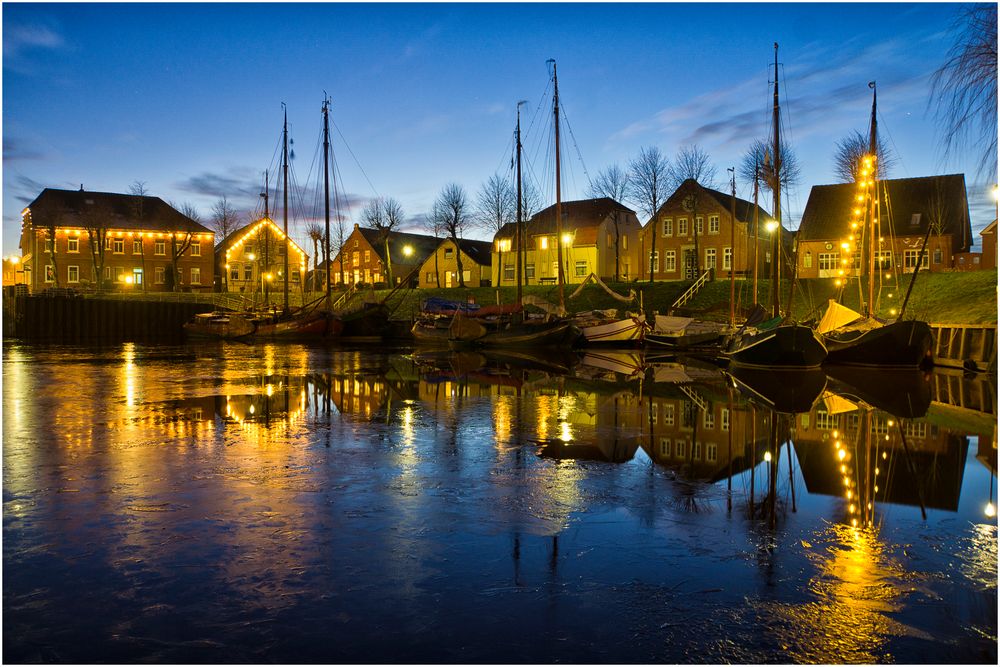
x,y
81,187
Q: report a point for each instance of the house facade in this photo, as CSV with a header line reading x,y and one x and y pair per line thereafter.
x,y
989,235
694,230
441,268
101,240
251,260
935,207
363,259
599,236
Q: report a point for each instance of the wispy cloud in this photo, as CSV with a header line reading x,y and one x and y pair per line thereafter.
x,y
18,39
16,151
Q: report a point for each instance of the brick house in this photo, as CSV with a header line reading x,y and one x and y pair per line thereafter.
x,y
252,259
668,238
989,235
441,268
597,235
80,239
363,257
915,205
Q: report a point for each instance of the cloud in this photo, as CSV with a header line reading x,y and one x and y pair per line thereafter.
x,y
20,38
239,184
15,151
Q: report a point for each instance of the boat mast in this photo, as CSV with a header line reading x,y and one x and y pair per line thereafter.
x,y
559,261
732,253
776,167
326,193
267,215
756,225
284,166
519,229
872,235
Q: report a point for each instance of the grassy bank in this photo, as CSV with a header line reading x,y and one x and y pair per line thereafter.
x,y
954,298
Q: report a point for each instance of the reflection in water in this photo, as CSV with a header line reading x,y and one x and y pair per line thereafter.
x,y
249,495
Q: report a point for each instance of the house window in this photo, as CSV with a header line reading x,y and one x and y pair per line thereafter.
x,y
368,256
449,253
611,243
107,243
137,276
711,452
709,258
910,259
665,448
119,246
48,245
234,272
529,271
543,242
654,260
355,258
679,449
708,419
467,276
248,272
668,414
915,220
682,226
158,275
653,412
727,258
296,276
355,243
668,227
828,261
508,272
626,271
699,223
825,421
73,274
725,419
430,277
696,451
196,250
713,224
624,243
937,255
73,245
670,261
136,247
807,262
160,248
119,274
581,268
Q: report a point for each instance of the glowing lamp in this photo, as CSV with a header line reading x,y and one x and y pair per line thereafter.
x,y
767,456
407,250
567,239
990,511
770,226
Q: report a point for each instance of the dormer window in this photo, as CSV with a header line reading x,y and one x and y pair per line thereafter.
x,y
915,220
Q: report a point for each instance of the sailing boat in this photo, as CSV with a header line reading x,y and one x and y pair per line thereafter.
x,y
517,331
771,344
863,340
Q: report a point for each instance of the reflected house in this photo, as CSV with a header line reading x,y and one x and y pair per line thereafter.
x,y
705,439
589,425
275,398
81,239
251,260
837,458
363,260
600,237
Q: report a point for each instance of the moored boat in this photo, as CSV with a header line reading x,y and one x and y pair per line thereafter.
x,y
606,327
784,346
225,325
682,332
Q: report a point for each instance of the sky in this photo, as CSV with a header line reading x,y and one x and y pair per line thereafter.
x,y
187,98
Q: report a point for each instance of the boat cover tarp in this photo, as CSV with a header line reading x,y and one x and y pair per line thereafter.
x,y
671,324
835,317
438,306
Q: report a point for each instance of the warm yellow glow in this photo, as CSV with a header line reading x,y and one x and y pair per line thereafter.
x,y
892,311
990,511
251,256
767,456
567,239
841,454
770,226
407,250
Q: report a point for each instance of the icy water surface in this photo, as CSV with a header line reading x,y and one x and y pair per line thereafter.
x,y
233,503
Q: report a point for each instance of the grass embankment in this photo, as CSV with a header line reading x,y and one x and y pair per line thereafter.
x,y
947,298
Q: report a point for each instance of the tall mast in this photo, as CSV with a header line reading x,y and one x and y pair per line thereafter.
x,y
756,226
284,166
267,228
873,223
732,254
776,166
559,261
326,193
519,233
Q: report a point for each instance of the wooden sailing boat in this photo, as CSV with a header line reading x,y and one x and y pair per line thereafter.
x,y
863,340
775,345
517,331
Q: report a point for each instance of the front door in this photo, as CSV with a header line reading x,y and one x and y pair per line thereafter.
x,y
690,264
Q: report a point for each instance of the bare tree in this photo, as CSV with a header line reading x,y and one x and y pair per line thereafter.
x,y
384,214
138,191
612,183
531,200
849,153
691,162
758,155
964,89
224,219
48,218
97,219
648,181
451,210
433,226
496,206
189,211
316,234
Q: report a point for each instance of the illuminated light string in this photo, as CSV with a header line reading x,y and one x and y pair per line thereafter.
x,y
850,245
254,231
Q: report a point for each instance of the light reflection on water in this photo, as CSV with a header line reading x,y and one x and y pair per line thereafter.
x,y
239,503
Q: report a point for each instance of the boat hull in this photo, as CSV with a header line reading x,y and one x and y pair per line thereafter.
x,y
430,334
314,325
781,389
523,335
903,344
627,330
786,346
225,326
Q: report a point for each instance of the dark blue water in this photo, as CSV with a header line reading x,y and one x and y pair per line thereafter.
x,y
233,503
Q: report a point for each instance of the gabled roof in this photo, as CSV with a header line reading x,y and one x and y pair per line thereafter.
x,y
577,214
744,208
990,228
914,203
157,214
241,233
481,252
422,244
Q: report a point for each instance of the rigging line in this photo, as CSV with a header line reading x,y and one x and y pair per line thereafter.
x,y
356,161
884,128
579,156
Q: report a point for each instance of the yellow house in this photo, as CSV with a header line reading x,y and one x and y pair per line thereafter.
x,y
440,269
599,236
252,260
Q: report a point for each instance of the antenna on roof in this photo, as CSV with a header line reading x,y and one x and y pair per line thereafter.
x,y
81,187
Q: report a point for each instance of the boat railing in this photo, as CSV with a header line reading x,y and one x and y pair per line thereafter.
x,y
693,290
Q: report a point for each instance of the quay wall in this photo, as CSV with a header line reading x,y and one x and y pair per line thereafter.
x,y
74,319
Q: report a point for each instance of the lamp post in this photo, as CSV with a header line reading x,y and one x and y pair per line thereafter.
x,y
407,253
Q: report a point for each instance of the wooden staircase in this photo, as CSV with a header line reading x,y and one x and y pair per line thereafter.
x,y
693,290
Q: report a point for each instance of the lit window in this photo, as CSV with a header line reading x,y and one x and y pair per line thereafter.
x,y
195,275
713,224
158,275
73,274
196,250
654,261
709,258
136,246
508,272
119,246
581,268
73,245
727,258
670,261
668,227
234,272
160,248
682,226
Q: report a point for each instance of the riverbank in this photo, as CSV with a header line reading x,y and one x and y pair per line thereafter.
x,y
947,298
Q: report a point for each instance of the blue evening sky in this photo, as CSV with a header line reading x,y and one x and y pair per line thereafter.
x,y
187,97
